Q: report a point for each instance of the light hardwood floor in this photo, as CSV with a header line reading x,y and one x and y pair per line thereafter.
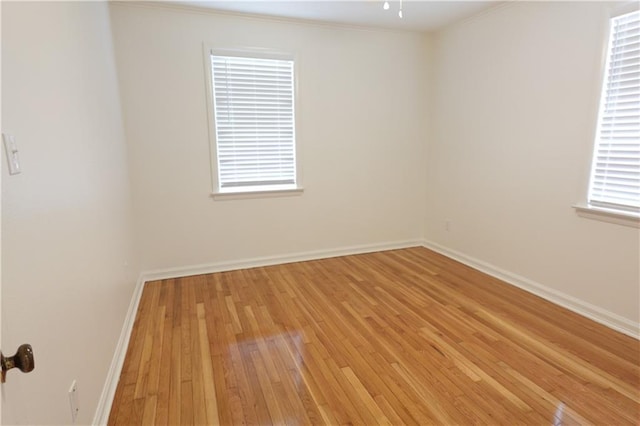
x,y
397,337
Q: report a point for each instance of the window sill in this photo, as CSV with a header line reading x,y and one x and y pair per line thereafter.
x,y
608,215
241,194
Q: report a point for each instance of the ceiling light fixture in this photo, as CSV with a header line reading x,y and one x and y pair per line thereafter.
x,y
386,6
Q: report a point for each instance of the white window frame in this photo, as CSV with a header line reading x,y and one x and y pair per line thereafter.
x,y
243,192
603,212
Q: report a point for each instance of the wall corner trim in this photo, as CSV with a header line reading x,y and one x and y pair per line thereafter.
x,y
101,416
595,313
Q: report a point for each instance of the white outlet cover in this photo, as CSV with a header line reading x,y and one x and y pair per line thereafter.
x,y
12,153
73,400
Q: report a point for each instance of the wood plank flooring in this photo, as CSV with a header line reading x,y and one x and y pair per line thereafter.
x,y
397,337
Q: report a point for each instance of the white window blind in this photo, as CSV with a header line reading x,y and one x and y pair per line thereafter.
x,y
254,122
615,174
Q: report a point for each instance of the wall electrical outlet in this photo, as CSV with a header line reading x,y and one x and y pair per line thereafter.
x,y
12,153
73,401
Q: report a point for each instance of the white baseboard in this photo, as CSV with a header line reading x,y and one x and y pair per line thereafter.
x,y
103,409
101,416
209,268
574,304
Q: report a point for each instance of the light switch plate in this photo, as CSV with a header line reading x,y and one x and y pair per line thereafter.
x,y
12,153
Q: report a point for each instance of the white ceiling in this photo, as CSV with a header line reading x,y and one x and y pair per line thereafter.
x,y
418,15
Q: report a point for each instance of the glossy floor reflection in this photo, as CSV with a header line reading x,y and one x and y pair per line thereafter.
x,y
398,337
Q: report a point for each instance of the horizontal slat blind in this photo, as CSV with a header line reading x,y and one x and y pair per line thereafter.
x,y
615,175
254,118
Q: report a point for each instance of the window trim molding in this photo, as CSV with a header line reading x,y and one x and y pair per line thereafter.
x,y
621,9
619,217
257,193
217,193
584,208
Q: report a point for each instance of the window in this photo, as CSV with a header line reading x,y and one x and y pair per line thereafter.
x,y
254,123
615,171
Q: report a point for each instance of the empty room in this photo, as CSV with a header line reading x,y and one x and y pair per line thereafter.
x,y
320,212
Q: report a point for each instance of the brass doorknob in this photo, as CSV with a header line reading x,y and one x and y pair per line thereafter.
x,y
22,360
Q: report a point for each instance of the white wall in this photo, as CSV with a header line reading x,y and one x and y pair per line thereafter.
x,y
66,224
515,103
361,109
